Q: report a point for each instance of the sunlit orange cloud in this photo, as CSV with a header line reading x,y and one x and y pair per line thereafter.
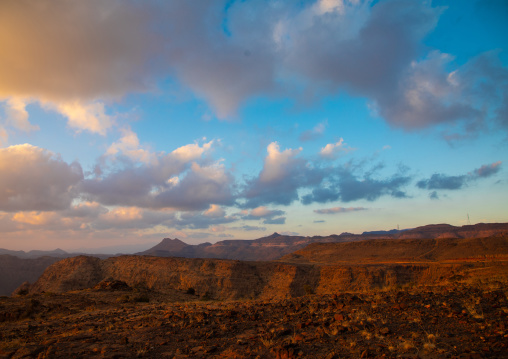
x,y
123,214
35,218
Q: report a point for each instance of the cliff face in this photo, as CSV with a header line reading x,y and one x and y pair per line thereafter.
x,y
226,279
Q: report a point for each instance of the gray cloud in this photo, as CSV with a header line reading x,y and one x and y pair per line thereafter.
x,y
315,133
251,228
322,195
133,218
441,181
91,49
283,174
278,220
487,170
336,210
345,185
167,183
262,213
445,182
34,179
229,52
196,220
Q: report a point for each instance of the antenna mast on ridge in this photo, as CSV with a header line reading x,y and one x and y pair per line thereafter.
x,y
468,221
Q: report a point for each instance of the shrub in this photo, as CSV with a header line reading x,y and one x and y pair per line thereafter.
x,y
191,291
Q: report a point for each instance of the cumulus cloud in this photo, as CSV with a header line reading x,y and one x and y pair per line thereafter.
x,y
282,175
201,186
464,99
277,164
35,179
191,152
160,186
128,145
446,182
335,210
160,180
333,150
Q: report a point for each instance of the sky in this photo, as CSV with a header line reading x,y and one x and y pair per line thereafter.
x,y
125,122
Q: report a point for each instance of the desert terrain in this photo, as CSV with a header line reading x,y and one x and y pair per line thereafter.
x,y
398,296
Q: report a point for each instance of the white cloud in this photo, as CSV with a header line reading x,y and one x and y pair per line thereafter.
x,y
333,150
128,145
191,152
84,116
283,174
277,164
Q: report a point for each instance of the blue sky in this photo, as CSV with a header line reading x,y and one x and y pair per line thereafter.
x,y
122,123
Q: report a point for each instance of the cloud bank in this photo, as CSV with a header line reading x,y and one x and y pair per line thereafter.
x,y
94,52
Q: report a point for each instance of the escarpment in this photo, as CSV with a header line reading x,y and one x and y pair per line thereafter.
x,y
227,279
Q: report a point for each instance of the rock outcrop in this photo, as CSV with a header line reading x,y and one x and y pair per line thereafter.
x,y
321,268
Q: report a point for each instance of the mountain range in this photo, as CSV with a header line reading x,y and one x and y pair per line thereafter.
x,y
17,267
276,246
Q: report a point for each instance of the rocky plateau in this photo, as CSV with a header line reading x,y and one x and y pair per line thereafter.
x,y
402,296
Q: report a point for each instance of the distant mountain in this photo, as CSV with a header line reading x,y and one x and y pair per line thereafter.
x,y
267,248
276,245
17,267
59,253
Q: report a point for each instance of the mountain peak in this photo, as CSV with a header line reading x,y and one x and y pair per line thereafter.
x,y
169,245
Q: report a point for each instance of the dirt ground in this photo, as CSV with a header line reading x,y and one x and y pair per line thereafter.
x,y
426,322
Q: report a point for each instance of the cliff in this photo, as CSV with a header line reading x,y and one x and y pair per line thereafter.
x,y
228,279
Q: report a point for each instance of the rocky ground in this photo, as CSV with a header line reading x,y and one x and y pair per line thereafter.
x,y
116,321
